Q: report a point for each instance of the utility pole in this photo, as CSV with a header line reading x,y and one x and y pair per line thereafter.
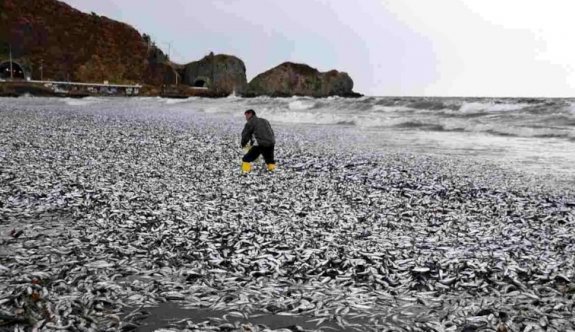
x,y
11,70
169,59
213,65
169,49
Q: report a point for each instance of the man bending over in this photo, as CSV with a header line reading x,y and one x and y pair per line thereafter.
x,y
259,132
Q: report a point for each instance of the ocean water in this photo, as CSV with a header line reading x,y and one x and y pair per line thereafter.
x,y
529,135
536,136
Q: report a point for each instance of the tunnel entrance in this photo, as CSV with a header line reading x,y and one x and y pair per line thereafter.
x,y
17,70
200,83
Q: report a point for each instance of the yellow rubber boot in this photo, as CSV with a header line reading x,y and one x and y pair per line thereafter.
x,y
271,167
246,167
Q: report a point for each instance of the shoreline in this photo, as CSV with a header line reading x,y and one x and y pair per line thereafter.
x,y
24,88
159,213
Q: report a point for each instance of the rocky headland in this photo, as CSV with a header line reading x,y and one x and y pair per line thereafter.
x,y
50,40
226,74
289,79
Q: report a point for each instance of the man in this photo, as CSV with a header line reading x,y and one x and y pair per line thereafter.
x,y
258,131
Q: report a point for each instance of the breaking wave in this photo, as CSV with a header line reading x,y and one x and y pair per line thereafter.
x,y
299,105
474,107
534,118
544,118
83,101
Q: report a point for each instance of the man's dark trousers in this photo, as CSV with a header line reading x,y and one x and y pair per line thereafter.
x,y
266,151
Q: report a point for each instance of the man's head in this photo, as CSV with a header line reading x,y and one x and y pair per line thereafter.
x,y
249,114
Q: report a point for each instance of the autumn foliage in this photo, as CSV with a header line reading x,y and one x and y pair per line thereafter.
x,y
71,45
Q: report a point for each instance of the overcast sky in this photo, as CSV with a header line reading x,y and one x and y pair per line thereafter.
x,y
388,47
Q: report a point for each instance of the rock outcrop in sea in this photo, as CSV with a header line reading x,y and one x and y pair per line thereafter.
x,y
222,73
289,79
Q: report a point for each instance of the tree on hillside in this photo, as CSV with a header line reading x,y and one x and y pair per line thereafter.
x,y
147,39
156,55
92,71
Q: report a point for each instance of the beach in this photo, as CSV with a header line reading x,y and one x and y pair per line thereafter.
x,y
112,207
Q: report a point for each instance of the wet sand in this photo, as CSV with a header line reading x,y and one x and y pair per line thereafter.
x,y
170,313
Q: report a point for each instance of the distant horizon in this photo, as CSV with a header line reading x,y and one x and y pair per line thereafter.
x,y
388,47
494,97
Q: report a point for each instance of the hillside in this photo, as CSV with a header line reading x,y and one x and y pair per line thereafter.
x,y
50,40
69,44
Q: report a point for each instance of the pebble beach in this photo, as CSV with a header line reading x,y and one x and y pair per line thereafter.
x,y
111,211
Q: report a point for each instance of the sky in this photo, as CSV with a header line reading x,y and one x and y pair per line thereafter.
x,y
491,48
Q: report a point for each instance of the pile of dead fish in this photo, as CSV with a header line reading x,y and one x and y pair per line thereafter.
x,y
115,208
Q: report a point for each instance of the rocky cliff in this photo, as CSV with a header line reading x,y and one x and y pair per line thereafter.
x,y
290,79
70,45
222,73
52,41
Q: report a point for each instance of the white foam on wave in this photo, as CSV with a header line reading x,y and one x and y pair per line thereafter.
x,y
213,110
170,101
372,120
300,105
82,101
331,117
505,129
304,117
474,107
402,118
396,120
388,109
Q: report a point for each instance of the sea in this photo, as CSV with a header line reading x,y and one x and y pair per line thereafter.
x,y
531,135
535,136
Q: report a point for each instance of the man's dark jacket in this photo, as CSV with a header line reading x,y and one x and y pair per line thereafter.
x,y
261,130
